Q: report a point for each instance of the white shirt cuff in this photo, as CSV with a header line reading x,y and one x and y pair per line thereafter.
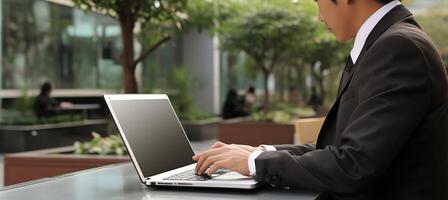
x,y
251,162
269,147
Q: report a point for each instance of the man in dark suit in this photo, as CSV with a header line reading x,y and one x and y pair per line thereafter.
x,y
385,136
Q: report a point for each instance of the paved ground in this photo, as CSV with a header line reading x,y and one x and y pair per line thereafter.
x,y
198,146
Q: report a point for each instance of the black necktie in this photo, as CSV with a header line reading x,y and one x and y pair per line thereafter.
x,y
345,75
349,64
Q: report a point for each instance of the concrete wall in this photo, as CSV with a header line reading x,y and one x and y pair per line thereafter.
x,y
201,56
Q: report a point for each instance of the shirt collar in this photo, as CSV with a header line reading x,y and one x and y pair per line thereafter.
x,y
368,26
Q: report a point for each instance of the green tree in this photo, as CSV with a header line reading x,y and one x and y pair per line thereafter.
x,y
323,55
326,54
434,22
161,17
266,31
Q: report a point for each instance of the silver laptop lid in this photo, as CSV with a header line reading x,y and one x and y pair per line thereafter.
x,y
151,132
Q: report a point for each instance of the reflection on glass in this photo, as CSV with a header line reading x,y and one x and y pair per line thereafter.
x,y
69,47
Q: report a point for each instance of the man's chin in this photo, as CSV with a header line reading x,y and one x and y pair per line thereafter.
x,y
343,38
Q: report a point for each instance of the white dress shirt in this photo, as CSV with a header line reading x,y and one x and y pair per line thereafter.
x,y
254,155
360,40
368,26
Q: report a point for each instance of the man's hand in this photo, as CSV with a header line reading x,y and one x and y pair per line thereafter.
x,y
220,156
245,147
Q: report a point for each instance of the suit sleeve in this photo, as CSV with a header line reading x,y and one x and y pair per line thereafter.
x,y
296,150
393,98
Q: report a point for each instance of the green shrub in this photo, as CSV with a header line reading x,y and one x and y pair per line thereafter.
x,y
24,104
19,118
112,145
182,100
22,113
282,113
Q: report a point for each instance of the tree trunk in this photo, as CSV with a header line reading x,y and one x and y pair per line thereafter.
x,y
298,82
266,90
279,86
283,83
321,89
318,76
127,57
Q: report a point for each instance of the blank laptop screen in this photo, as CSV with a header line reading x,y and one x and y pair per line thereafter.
x,y
154,134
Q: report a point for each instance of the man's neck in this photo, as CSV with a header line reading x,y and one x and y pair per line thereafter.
x,y
362,12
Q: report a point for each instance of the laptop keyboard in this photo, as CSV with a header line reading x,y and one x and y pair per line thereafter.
x,y
191,175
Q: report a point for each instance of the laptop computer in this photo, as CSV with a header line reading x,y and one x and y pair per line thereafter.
x,y
158,146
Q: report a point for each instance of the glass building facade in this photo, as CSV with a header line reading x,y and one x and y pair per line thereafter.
x,y
44,41
50,40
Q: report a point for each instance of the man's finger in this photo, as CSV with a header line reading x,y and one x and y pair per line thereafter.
x,y
200,160
209,161
215,151
217,166
203,156
218,145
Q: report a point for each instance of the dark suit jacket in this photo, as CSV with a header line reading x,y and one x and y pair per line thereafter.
x,y
386,135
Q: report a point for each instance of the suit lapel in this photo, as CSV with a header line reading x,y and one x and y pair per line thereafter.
x,y
396,14
348,74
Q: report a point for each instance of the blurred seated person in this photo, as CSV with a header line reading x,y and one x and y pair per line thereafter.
x,y
45,106
316,101
233,106
294,98
250,98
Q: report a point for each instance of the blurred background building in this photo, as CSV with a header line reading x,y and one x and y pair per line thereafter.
x,y
78,52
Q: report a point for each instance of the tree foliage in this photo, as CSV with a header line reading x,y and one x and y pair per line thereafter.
x,y
267,31
143,11
435,23
279,35
156,17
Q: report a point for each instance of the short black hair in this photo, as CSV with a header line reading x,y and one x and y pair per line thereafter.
x,y
380,1
251,89
45,89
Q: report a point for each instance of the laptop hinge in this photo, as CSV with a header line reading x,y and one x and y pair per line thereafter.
x,y
147,181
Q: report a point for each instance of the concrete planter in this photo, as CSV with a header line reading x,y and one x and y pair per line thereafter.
x,y
26,138
244,131
307,130
32,165
203,129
